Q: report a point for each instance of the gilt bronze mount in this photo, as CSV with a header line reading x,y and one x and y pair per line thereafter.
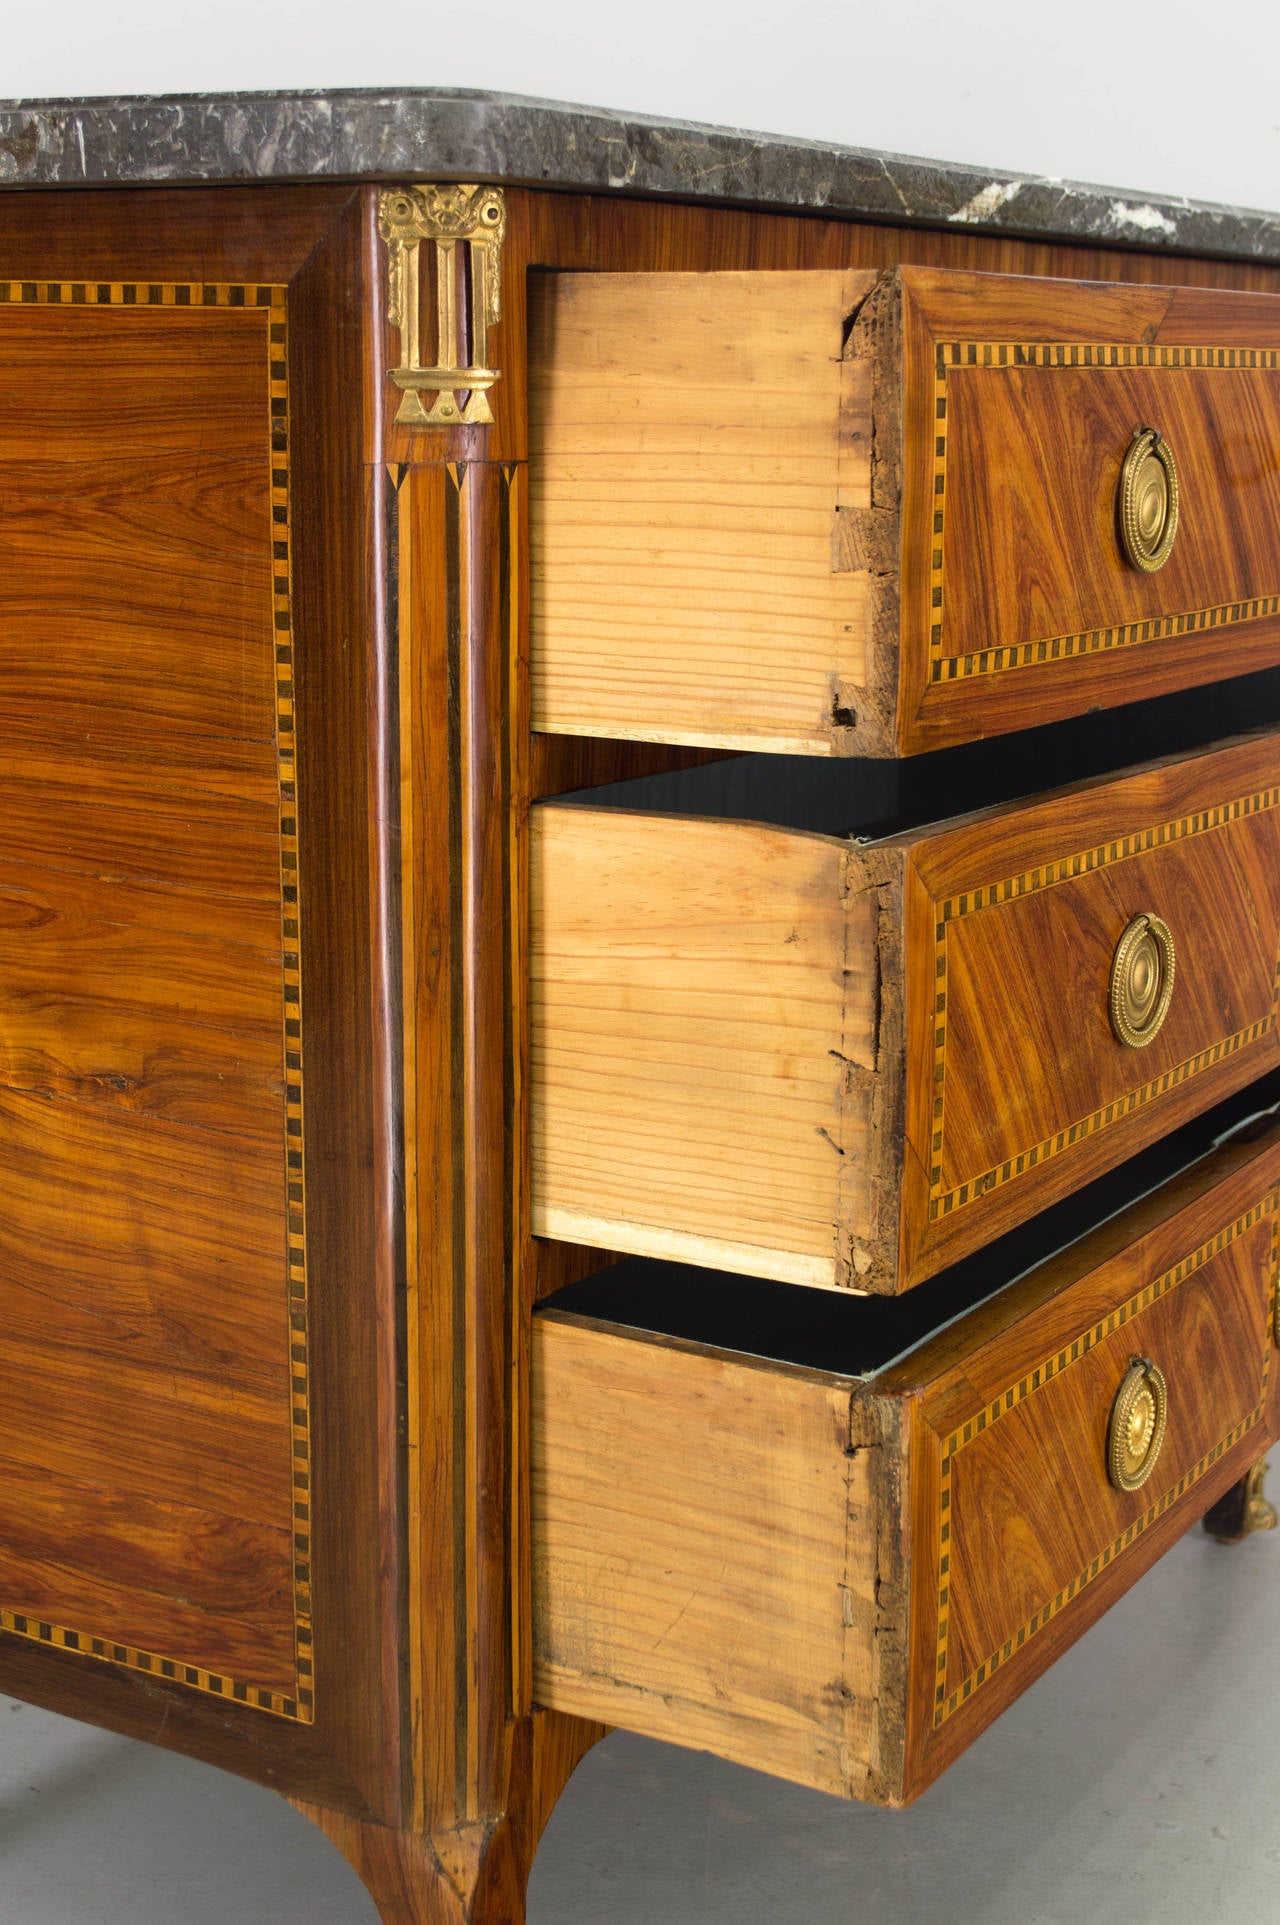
x,y
467,226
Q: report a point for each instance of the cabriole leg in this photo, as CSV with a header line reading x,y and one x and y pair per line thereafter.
x,y
477,1874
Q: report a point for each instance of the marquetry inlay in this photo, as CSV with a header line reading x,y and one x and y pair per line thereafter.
x,y
269,302
946,1702
952,357
943,1201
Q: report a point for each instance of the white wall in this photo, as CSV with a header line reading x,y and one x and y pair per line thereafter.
x,y
1181,97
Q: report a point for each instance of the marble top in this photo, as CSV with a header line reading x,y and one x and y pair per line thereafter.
x,y
445,133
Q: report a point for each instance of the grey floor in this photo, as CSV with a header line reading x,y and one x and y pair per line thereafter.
x,y
1135,1783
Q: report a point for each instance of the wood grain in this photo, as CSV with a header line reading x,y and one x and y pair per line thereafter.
x,y
706,1553
344,692
77,1551
95,1007
691,442
159,806
696,988
1025,1523
1190,1270
142,1068
1020,399
143,1237
1015,1041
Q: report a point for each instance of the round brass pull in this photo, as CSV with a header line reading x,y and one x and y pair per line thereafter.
x,y
1136,1430
1148,501
1141,981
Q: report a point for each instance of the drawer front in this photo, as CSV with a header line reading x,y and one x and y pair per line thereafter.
x,y
1019,1523
1019,1088
840,513
842,1065
1021,399
844,1582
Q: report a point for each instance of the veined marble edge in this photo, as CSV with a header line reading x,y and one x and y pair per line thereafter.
x,y
372,134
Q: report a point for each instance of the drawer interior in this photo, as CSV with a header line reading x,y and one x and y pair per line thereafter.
x,y
861,1336
872,798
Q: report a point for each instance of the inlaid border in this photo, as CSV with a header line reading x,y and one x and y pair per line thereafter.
x,y
945,1704
269,300
950,356
943,1202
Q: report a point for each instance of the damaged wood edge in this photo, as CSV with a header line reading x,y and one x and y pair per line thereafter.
x,y
867,524
873,1094
879,1425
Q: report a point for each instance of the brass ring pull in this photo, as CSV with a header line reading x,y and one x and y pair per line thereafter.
x,y
1141,981
1136,1430
1147,505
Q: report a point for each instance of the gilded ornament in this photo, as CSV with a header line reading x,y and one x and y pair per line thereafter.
x,y
466,227
1136,1431
1148,501
1141,985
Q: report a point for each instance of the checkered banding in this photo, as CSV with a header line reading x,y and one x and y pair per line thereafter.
x,y
945,1703
269,302
951,356
944,1202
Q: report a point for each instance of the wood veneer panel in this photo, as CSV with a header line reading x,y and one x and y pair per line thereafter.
x,y
89,1226
75,1549
182,592
1194,840
98,1009
1024,1518
1187,1276
135,235
208,829
145,1098
1018,399
224,853
149,1433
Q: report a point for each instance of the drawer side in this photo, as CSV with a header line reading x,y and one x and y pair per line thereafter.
x,y
700,481
707,1016
715,1562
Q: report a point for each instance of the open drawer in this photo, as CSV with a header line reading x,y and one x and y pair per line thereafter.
x,y
840,1578
842,512
806,1057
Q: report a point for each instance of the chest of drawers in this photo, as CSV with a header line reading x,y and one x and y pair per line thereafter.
x,y
452,629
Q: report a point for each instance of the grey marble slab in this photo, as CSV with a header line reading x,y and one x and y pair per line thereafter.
x,y
430,133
